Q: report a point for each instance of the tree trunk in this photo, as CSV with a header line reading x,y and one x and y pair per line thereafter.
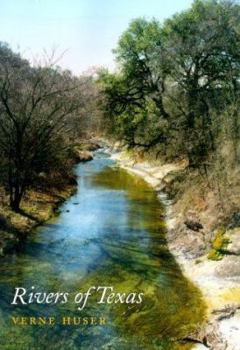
x,y
15,205
15,199
159,104
16,187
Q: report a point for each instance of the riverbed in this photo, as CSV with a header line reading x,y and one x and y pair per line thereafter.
x,y
112,232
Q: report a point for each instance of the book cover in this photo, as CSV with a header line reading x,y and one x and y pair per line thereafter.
x,y
119,175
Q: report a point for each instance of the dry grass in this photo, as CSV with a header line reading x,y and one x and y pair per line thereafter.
x,y
36,208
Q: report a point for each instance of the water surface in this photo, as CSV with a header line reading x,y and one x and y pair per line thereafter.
x,y
110,233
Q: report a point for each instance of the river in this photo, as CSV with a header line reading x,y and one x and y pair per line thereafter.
x,y
110,233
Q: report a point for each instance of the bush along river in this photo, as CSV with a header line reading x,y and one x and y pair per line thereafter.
x,y
110,233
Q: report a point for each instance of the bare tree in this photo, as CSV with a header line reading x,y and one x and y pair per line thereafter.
x,y
35,105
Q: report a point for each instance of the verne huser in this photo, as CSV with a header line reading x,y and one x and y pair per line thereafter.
x,y
105,295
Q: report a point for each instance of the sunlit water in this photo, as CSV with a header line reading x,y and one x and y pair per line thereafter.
x,y
110,233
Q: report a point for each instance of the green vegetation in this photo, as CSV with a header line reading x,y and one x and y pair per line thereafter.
x,y
219,243
177,86
124,247
176,95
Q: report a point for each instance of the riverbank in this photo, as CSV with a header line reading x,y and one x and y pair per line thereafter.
x,y
37,207
207,256
41,203
107,234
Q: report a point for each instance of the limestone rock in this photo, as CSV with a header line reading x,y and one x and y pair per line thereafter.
x,y
229,267
233,247
83,156
209,336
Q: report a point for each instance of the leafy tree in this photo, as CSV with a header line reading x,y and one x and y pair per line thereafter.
x,y
185,71
202,45
140,82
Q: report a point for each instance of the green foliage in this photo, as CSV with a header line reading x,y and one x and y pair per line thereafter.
x,y
174,78
219,244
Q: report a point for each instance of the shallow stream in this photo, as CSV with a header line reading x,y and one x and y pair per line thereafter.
x,y
110,233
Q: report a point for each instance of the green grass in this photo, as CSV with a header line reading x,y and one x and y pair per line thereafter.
x,y
219,245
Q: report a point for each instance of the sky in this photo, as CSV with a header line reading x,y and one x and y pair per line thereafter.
x,y
86,31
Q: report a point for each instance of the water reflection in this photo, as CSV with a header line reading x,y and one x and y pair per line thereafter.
x,y
111,233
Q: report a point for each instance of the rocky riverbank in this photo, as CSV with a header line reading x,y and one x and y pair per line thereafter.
x,y
209,257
